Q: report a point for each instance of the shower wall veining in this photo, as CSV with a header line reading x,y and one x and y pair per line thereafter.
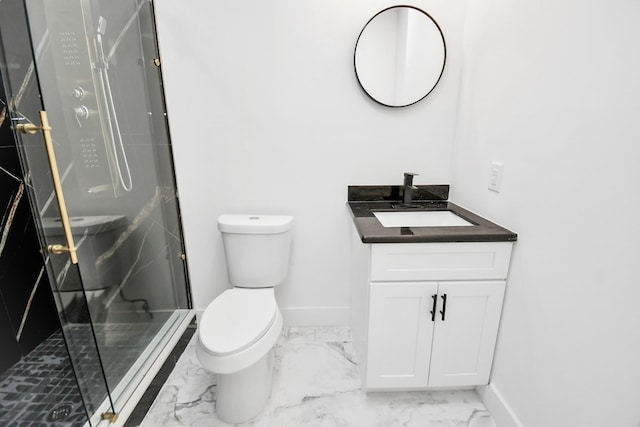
x,y
37,383
38,378
27,309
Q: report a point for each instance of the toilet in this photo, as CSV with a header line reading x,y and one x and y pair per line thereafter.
x,y
239,328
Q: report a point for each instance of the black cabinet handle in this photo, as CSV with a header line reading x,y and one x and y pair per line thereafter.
x,y
434,297
444,305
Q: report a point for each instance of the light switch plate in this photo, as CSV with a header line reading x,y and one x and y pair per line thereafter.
x,y
495,176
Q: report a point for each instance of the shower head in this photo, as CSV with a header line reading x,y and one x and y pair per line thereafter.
x,y
102,26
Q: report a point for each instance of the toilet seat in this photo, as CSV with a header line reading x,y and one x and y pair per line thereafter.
x,y
237,319
237,329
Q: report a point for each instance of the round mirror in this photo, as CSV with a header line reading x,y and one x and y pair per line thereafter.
x,y
399,56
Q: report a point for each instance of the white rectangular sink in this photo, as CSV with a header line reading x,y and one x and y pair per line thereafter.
x,y
420,219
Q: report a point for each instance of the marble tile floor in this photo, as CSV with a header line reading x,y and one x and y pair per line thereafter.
x,y
316,384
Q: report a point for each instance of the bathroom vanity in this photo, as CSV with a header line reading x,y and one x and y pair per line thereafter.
x,y
427,289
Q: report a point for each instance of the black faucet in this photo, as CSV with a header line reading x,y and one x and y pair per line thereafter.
x,y
408,188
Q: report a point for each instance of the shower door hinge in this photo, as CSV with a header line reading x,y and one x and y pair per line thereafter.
x,y
112,417
156,62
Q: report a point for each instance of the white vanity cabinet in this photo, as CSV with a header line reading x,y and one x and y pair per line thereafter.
x,y
426,315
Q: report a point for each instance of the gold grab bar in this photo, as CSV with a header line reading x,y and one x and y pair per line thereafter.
x,y
31,129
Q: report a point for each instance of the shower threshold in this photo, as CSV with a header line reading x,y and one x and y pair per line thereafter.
x,y
134,383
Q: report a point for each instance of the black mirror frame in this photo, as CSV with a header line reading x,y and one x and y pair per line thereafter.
x,y
444,61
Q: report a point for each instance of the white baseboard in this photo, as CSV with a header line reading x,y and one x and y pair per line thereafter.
x,y
316,316
501,412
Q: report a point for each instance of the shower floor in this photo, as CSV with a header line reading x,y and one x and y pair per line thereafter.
x,y
41,389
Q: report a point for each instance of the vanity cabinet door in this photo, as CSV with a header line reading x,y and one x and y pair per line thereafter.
x,y
400,334
463,343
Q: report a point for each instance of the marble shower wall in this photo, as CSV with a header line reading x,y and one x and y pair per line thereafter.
x,y
27,309
152,235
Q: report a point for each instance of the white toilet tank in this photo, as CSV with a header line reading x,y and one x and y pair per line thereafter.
x,y
257,248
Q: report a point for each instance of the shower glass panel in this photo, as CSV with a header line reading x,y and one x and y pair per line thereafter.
x,y
100,84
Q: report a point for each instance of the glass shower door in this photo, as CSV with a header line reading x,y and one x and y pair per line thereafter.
x,y
104,187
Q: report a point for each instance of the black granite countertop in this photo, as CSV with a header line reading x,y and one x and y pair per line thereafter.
x,y
364,200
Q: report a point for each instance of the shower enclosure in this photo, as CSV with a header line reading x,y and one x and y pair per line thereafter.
x,y
96,153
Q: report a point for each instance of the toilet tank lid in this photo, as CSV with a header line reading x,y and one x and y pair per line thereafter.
x,y
254,224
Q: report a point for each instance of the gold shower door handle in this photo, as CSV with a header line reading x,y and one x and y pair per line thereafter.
x,y
31,129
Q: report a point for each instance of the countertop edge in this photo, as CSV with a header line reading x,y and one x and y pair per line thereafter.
x,y
371,231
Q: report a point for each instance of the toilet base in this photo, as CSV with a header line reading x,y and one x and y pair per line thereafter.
x,y
242,395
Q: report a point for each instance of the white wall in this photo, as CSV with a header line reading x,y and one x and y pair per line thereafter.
x,y
552,90
267,116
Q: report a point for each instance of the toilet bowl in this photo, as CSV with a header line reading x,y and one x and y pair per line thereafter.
x,y
239,328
